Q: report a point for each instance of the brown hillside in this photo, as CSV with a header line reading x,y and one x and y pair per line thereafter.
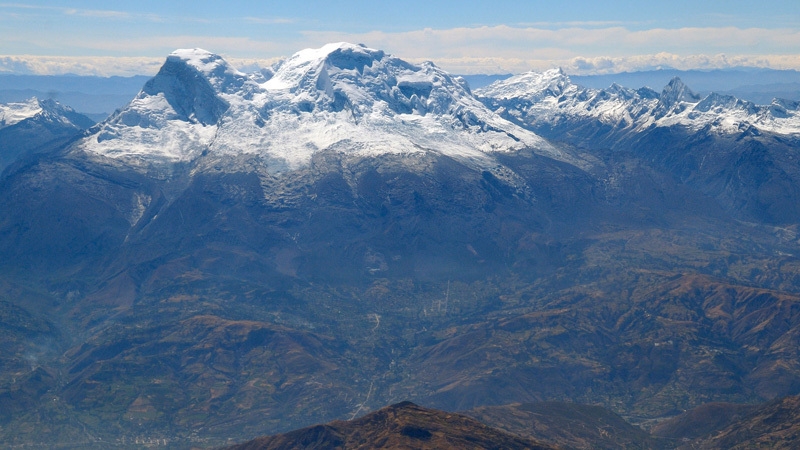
x,y
569,425
401,426
703,420
775,425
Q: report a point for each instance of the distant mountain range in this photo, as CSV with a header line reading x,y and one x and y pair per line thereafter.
x,y
36,125
231,255
551,99
98,97
662,128
759,86
95,97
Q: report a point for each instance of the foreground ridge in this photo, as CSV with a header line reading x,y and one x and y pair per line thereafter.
x,y
402,425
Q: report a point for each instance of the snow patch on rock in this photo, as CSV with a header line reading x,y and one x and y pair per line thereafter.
x,y
550,98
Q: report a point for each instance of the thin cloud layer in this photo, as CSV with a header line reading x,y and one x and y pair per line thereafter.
x,y
601,65
103,66
497,49
586,50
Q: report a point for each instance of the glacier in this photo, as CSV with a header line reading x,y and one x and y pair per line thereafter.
x,y
341,97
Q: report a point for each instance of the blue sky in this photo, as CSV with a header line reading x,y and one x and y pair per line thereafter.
x,y
499,36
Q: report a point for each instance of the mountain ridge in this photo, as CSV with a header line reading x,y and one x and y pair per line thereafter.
x,y
741,154
333,97
174,283
35,126
550,97
402,425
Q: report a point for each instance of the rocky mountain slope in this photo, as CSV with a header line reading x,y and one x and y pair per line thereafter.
x,y
550,99
234,255
541,424
734,151
570,426
404,425
36,125
725,426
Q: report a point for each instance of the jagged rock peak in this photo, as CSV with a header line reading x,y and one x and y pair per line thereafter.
x,y
526,99
190,81
675,98
676,91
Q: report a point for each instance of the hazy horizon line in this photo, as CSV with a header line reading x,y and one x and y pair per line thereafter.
x,y
127,66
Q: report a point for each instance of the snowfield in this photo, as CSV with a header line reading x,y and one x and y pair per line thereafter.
x,y
13,113
341,97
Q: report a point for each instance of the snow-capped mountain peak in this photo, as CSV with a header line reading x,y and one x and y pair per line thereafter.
x,y
176,114
13,113
675,97
364,101
310,63
47,110
531,86
190,82
223,77
341,97
354,77
203,61
546,100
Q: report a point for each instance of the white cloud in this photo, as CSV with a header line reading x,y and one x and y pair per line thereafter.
x,y
239,46
86,65
571,40
103,65
128,66
95,13
102,14
499,49
615,64
269,20
513,49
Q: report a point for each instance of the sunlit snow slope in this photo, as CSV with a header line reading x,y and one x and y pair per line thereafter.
x,y
341,97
